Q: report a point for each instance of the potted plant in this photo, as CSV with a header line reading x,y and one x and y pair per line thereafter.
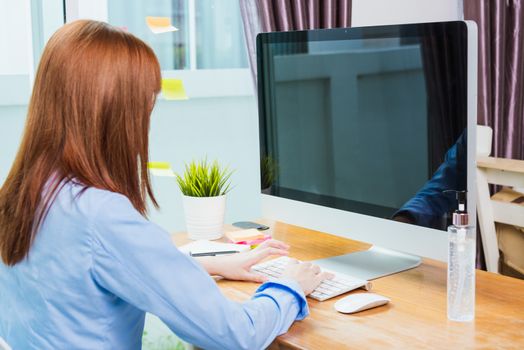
x,y
204,187
268,172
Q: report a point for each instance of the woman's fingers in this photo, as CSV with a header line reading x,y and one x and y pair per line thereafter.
x,y
324,276
277,244
254,277
306,264
265,252
273,243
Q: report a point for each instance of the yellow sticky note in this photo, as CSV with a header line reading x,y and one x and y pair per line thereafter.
x,y
173,89
160,169
159,165
160,24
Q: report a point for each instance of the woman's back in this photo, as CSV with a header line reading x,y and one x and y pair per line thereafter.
x,y
53,294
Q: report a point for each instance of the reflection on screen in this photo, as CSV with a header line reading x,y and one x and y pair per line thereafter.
x,y
371,125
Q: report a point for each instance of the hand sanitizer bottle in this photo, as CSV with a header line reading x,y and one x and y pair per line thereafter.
x,y
461,264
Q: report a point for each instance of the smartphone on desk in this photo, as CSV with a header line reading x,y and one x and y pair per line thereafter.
x,y
250,224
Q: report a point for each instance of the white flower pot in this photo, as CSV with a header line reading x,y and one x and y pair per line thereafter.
x,y
267,190
204,216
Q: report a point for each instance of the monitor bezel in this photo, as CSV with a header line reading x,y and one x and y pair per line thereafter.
x,y
469,31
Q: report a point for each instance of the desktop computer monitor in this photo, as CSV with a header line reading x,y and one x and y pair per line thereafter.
x,y
363,129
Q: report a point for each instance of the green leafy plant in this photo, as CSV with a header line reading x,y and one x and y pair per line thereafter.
x,y
203,179
268,170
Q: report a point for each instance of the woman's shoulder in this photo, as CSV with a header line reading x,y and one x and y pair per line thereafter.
x,y
116,227
97,203
109,214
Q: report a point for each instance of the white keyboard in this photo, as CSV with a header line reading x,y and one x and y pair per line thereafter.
x,y
340,283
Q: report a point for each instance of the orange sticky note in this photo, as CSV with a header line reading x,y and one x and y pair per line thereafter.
x,y
173,89
160,24
244,235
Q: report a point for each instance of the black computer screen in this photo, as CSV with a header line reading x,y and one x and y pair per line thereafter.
x,y
370,120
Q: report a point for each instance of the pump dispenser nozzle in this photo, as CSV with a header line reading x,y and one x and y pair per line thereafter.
x,y
460,216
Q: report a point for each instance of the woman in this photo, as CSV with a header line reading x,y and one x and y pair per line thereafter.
x,y
81,264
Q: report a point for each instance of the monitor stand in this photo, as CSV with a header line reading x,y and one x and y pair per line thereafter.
x,y
370,264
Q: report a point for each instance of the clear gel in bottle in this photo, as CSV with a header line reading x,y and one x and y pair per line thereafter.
x,y
461,264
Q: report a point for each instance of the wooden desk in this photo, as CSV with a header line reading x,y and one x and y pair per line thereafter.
x,y
415,318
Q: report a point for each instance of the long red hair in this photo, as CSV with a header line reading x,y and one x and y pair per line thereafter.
x,y
88,121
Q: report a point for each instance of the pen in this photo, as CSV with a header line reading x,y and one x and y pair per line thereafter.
x,y
214,253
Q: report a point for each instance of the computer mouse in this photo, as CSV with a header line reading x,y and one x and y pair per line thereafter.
x,y
360,302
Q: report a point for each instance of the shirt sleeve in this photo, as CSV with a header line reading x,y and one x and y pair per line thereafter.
x,y
135,260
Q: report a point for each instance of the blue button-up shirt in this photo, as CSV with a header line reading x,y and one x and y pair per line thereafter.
x,y
96,266
430,206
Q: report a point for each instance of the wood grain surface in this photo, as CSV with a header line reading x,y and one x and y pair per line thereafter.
x,y
512,165
415,318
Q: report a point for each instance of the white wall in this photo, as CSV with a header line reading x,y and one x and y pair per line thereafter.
x,y
224,128
52,18
15,58
15,32
12,119
92,9
376,12
25,27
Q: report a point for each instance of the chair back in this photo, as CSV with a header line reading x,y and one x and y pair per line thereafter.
x,y
497,171
484,140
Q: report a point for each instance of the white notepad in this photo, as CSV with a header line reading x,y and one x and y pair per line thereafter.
x,y
205,246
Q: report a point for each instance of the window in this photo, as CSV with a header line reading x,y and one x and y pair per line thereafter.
x,y
25,27
207,51
210,34
220,41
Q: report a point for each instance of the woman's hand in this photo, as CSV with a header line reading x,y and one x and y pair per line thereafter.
x,y
307,275
237,266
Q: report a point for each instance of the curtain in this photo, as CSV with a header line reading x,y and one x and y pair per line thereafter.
x,y
442,57
500,72
287,15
